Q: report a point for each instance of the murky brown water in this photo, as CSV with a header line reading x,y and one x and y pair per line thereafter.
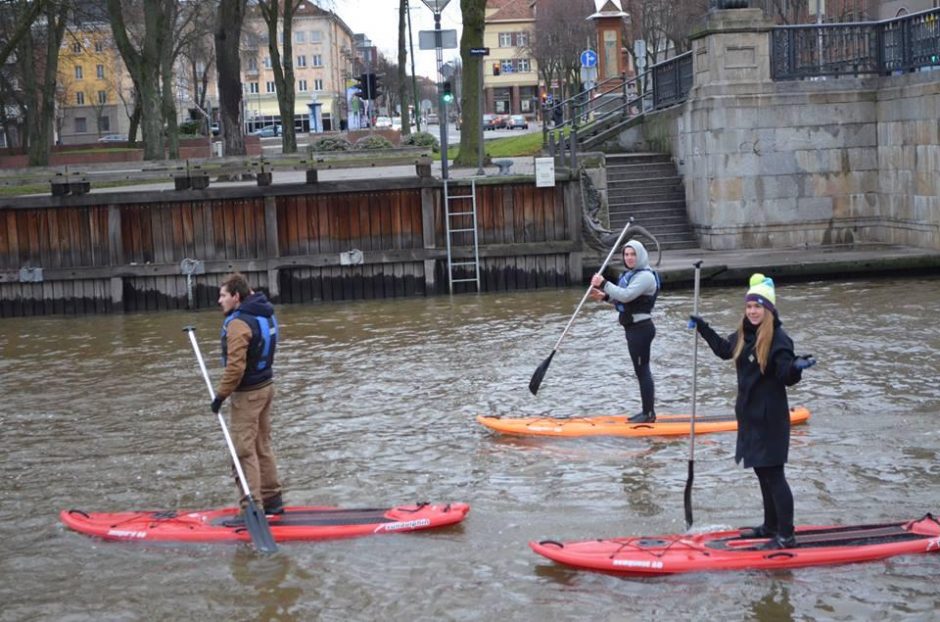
x,y
376,406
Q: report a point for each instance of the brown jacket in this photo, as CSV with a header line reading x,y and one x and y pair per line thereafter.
x,y
238,338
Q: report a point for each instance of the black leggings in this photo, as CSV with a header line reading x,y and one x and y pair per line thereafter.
x,y
639,339
778,500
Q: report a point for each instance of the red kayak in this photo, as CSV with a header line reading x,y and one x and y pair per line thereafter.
x,y
296,523
730,550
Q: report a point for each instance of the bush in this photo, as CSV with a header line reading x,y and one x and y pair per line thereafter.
x,y
422,139
191,127
374,142
331,143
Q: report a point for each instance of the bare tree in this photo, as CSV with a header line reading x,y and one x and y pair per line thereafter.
x,y
146,65
38,62
282,66
24,14
472,12
561,33
228,66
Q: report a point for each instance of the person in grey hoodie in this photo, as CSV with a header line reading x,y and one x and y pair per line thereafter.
x,y
634,297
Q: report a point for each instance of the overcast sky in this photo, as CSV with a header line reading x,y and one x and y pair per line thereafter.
x,y
378,19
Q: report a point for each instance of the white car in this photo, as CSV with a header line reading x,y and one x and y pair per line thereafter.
x,y
396,123
383,122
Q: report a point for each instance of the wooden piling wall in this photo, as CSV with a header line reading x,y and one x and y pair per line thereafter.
x,y
125,251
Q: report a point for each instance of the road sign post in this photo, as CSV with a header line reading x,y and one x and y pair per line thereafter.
x,y
479,53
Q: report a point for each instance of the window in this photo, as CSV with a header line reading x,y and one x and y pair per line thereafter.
x,y
302,86
316,36
81,126
79,74
317,60
505,39
252,64
99,46
267,62
99,71
80,98
522,65
76,48
318,85
522,39
252,87
104,124
269,87
506,65
102,97
300,36
302,60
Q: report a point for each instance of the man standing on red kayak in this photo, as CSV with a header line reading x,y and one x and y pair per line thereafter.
x,y
766,366
249,339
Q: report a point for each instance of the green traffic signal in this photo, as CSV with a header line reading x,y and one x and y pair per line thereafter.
x,y
448,94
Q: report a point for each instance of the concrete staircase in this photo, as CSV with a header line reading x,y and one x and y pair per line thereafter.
x,y
647,186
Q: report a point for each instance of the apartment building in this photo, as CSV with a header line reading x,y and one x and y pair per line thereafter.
x,y
93,88
325,55
510,74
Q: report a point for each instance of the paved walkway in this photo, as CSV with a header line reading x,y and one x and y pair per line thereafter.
x,y
793,264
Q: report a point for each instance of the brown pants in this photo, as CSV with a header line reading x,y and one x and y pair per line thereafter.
x,y
251,435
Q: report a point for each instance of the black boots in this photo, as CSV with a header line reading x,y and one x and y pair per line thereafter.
x,y
274,505
779,542
758,532
642,417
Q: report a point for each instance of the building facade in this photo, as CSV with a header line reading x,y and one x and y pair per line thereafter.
x,y
510,74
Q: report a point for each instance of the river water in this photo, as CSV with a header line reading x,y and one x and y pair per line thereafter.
x,y
376,405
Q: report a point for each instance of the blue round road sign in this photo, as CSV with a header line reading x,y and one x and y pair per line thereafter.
x,y
589,58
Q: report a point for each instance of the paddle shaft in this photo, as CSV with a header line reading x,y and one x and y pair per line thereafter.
x,y
691,472
228,439
588,292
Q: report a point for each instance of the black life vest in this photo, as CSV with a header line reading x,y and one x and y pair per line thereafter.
x,y
640,304
260,357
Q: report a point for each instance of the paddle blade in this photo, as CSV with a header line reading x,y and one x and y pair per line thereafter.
x,y
539,374
258,528
688,494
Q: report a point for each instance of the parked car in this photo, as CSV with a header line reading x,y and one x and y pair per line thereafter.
x,y
396,123
268,131
493,122
517,121
432,119
383,122
113,138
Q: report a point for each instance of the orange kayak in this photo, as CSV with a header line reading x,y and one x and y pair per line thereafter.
x,y
618,425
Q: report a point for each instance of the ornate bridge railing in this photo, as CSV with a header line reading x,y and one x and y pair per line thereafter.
x,y
903,44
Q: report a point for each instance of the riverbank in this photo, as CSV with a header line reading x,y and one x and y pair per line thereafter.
x,y
794,264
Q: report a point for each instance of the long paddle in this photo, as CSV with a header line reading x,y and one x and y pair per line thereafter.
x,y
691,477
255,520
539,373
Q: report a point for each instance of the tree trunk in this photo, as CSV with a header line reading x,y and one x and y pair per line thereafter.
x,y
228,66
402,74
282,66
472,37
42,122
167,58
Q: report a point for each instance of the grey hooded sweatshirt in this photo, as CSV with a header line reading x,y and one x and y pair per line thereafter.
x,y
642,282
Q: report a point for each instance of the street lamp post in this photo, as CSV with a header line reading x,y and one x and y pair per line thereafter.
x,y
437,6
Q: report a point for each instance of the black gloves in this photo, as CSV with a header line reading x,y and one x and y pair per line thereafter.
x,y
217,404
697,321
804,361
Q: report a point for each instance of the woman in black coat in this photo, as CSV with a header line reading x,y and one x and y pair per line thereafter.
x,y
766,366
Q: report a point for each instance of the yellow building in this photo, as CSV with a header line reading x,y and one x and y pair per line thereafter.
x,y
93,92
510,74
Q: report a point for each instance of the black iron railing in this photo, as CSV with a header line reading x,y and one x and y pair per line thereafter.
x,y
672,80
902,44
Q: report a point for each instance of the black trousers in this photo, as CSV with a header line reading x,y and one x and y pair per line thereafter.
x,y
778,500
639,339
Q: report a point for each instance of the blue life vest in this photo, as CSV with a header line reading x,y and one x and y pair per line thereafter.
x,y
260,357
640,304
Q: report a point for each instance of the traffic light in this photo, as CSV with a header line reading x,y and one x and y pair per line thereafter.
x,y
544,97
373,86
448,93
362,85
495,69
